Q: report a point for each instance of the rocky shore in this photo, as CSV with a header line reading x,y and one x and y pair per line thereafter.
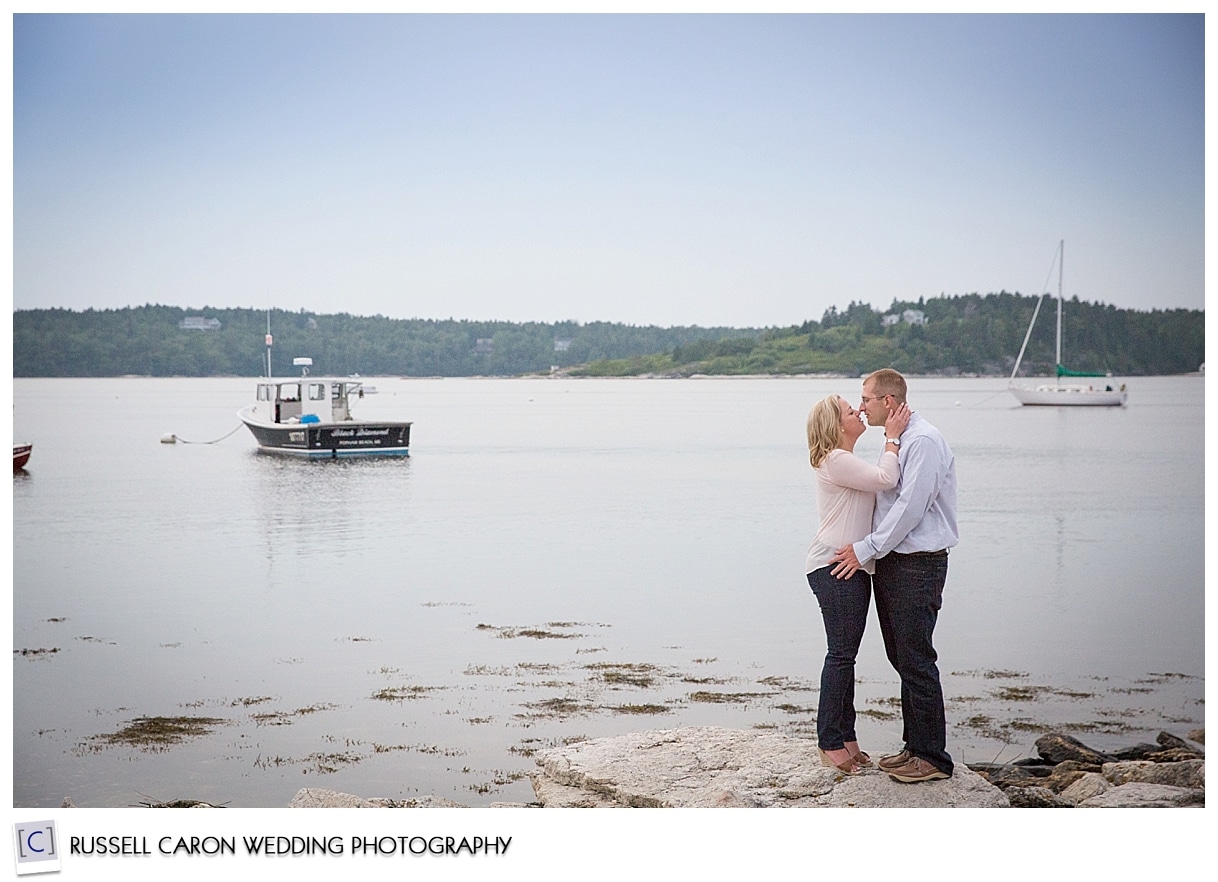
x,y
731,768
1069,774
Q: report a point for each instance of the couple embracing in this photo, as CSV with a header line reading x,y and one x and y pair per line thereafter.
x,y
885,529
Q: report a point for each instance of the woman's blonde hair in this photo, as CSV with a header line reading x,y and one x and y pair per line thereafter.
x,y
824,429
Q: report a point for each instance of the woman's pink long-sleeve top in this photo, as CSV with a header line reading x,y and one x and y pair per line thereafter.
x,y
845,499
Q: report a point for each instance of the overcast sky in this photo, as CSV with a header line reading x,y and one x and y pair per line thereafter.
x,y
672,170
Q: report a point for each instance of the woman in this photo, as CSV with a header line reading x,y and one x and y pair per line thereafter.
x,y
845,498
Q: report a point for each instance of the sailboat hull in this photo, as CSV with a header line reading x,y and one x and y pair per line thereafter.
x,y
1072,395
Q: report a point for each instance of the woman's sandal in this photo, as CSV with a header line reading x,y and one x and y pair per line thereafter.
x,y
849,767
861,759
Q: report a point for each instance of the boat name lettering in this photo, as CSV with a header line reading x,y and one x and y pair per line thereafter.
x,y
349,433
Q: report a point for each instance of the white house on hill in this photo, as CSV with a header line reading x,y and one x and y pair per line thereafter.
x,y
199,323
909,316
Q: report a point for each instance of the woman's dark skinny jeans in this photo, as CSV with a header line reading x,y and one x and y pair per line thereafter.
x,y
843,605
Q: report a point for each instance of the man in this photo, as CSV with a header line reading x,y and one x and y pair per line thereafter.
x,y
913,527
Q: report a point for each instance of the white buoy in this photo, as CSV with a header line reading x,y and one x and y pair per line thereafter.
x,y
169,438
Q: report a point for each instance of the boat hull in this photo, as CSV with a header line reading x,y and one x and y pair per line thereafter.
x,y
1069,396
331,440
21,455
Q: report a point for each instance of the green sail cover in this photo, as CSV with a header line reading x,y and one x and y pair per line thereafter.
x,y
1063,371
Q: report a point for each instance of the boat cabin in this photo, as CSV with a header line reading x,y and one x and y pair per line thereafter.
x,y
306,400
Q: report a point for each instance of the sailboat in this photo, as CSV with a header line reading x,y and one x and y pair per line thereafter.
x,y
1059,393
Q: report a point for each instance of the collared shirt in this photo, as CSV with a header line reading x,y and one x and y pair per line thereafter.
x,y
919,514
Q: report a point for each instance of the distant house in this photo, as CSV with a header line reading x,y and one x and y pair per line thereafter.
x,y
484,346
199,323
909,316
562,345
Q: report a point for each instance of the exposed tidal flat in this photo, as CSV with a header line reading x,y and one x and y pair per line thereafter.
x,y
559,560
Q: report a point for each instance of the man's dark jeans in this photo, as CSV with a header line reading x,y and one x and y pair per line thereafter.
x,y
843,605
908,594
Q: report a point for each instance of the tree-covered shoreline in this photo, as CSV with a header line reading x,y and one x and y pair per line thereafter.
x,y
964,335
958,335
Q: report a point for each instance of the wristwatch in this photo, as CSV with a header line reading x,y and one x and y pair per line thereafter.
x,y
896,441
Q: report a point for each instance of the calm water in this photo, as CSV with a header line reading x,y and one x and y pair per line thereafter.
x,y
560,559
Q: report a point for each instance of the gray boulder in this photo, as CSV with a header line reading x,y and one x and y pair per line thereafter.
x,y
1137,752
1174,755
1188,774
1036,797
1139,795
1056,748
1066,773
1012,775
1168,741
1089,785
715,767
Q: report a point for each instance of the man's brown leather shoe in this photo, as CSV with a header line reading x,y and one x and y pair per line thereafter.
x,y
895,761
917,769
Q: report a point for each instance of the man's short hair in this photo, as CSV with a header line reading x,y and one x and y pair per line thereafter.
x,y
886,381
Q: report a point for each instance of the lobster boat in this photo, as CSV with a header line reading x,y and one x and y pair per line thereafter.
x,y
311,417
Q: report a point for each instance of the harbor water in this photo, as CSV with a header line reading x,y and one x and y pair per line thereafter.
x,y
559,559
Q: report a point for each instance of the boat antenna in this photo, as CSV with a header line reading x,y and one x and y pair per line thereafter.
x,y
268,342
1044,289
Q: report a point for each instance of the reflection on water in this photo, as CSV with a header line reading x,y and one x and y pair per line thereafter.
x,y
559,559
327,508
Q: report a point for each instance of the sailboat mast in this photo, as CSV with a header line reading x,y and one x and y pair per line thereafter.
x,y
1061,259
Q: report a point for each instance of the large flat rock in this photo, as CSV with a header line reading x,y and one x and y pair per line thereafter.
x,y
716,767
